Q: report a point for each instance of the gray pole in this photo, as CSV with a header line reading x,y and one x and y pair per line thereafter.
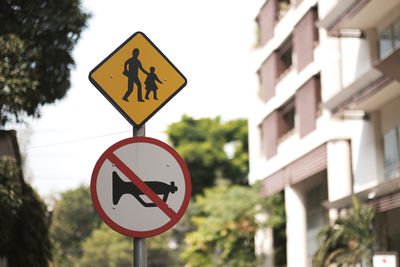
x,y
139,252
139,244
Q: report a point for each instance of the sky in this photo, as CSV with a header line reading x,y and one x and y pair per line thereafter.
x,y
212,43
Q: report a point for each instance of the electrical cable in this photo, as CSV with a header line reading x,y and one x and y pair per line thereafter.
x,y
77,140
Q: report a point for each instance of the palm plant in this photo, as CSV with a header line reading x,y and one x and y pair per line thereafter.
x,y
348,241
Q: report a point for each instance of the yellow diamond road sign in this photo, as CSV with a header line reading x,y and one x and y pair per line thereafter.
x,y
137,78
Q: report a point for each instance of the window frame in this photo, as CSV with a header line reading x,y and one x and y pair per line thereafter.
x,y
391,169
390,29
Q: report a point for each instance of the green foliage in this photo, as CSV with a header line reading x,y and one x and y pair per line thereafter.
x,y
159,253
106,248
36,42
10,200
74,218
23,220
277,221
31,244
80,238
349,240
237,167
201,144
225,227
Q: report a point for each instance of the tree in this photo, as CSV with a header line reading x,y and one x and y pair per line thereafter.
x,y
107,248
348,241
23,220
79,237
36,41
202,144
226,225
10,200
73,220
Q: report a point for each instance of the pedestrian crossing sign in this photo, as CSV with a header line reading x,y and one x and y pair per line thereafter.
x,y
137,79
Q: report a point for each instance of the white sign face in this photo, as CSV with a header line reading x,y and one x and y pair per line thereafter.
x,y
385,260
140,187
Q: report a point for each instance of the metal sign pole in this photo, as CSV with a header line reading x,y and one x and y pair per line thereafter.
x,y
139,252
139,244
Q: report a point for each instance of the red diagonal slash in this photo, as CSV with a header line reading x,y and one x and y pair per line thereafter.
x,y
142,186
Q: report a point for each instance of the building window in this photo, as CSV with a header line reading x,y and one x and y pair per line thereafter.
x,y
269,130
305,39
266,22
282,8
274,68
308,98
389,39
285,57
391,153
275,126
287,114
267,75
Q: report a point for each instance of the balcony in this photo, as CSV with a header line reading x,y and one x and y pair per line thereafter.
x,y
356,14
389,50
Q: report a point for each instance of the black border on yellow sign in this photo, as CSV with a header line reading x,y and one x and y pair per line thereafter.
x,y
126,116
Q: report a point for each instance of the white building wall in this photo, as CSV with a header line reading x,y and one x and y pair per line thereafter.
x,y
364,161
324,6
339,169
355,59
331,78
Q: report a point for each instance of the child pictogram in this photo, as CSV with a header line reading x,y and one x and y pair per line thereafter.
x,y
150,83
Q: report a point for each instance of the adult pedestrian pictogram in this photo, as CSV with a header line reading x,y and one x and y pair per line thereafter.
x,y
137,78
140,187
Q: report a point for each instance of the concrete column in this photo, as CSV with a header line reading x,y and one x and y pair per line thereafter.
x,y
296,230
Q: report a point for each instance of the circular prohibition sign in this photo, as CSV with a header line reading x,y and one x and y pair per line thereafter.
x,y
140,187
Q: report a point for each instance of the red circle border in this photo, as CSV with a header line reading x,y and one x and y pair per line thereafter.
x,y
108,220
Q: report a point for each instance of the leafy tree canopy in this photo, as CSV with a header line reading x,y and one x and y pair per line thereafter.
x,y
23,220
107,248
226,225
74,218
81,238
203,144
36,41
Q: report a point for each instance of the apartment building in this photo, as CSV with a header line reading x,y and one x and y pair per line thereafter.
x,y
327,116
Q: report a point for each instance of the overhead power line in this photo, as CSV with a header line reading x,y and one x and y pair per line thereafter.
x,y
77,140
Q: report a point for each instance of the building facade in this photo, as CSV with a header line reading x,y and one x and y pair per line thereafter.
x,y
327,120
